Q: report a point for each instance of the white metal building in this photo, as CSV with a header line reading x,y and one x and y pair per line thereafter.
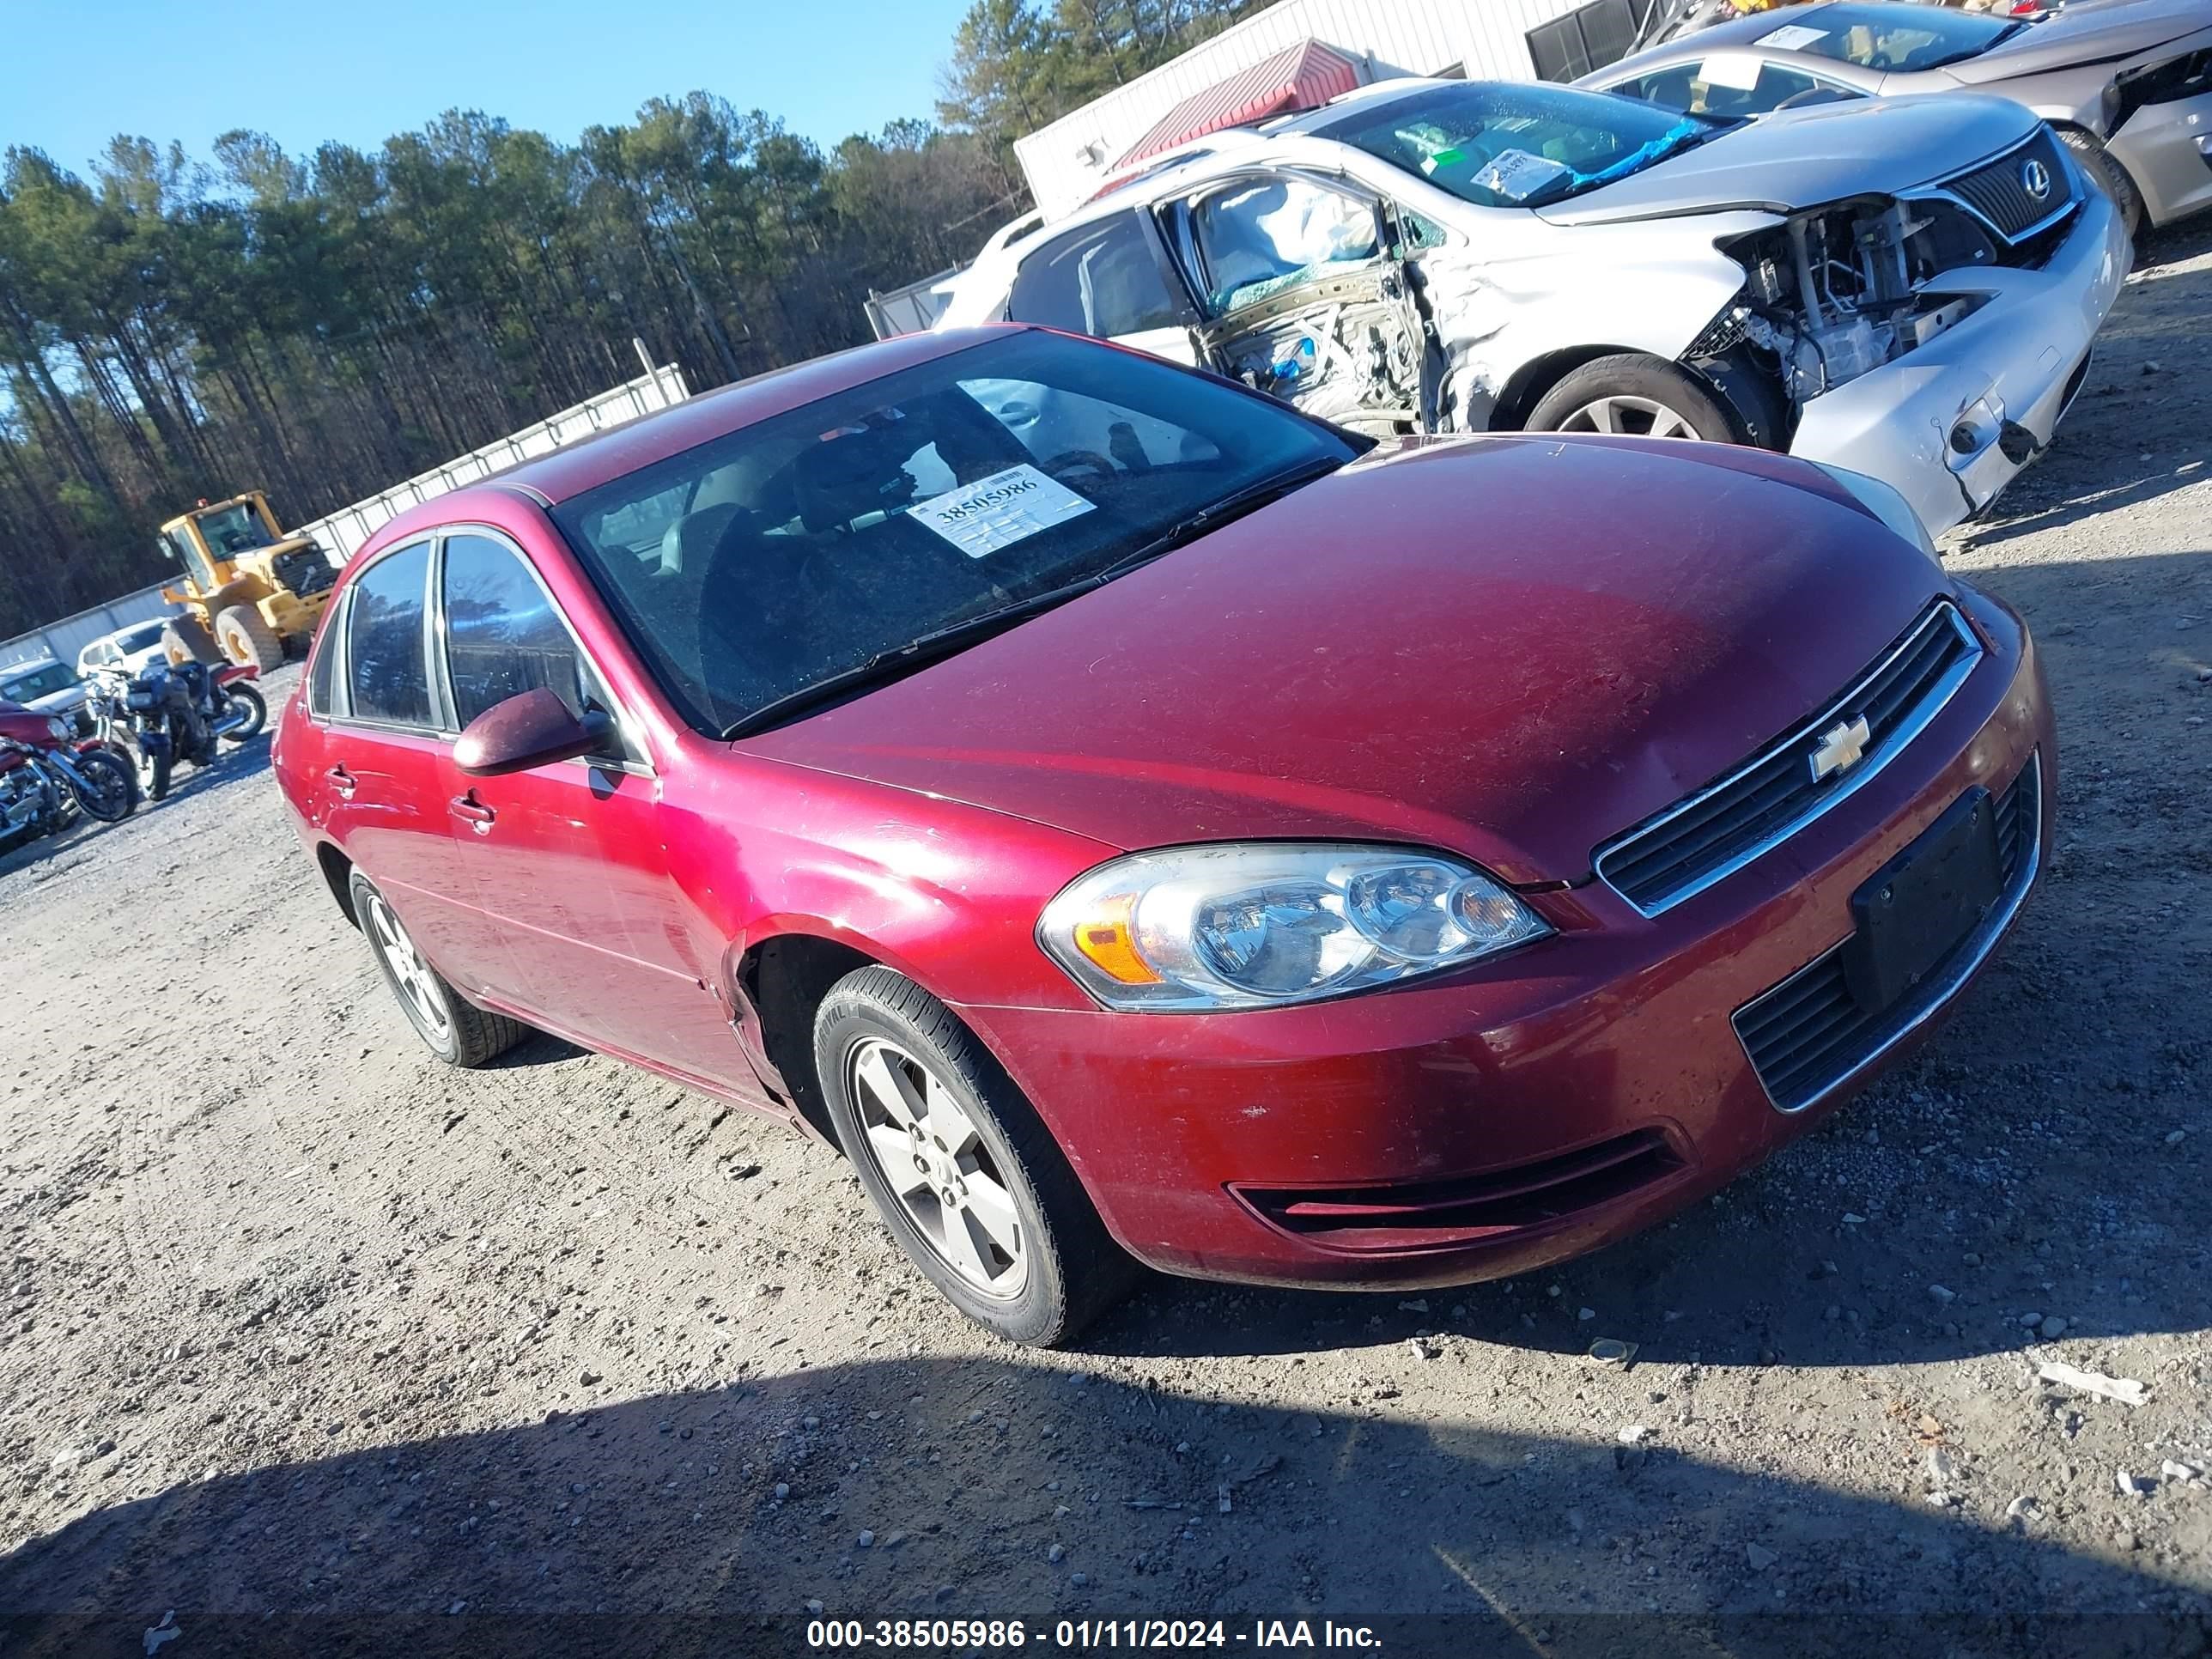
x,y
1480,39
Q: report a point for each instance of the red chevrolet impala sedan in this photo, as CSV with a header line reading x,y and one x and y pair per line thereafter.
x,y
1139,824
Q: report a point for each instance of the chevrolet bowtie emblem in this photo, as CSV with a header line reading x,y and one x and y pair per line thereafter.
x,y
1841,748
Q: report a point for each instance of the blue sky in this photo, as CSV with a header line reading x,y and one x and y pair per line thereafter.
x,y
74,72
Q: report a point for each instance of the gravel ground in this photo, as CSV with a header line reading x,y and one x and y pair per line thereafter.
x,y
319,1344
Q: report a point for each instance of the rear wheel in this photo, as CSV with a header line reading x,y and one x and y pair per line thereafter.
x,y
956,1160
187,639
2108,176
456,1031
112,788
1634,396
245,703
247,639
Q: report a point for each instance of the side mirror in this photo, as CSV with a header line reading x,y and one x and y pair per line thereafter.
x,y
535,729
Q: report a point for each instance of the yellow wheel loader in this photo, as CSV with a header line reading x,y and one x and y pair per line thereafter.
x,y
249,590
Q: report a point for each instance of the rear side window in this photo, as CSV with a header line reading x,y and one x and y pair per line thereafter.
x,y
384,640
323,677
1101,280
504,637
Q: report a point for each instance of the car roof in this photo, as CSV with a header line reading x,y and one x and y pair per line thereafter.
x,y
639,443
1756,26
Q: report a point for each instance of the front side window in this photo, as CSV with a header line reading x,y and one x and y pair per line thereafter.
x,y
385,667
502,635
1501,146
1102,280
860,533
1261,235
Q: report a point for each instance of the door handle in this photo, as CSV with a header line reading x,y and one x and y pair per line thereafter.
x,y
343,781
472,811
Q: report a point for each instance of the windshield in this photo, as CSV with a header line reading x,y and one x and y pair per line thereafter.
x,y
1900,38
40,682
804,547
144,637
233,529
1518,146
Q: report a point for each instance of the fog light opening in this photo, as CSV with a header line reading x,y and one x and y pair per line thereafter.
x,y
2018,443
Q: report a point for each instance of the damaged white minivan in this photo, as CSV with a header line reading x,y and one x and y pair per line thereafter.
x,y
1909,288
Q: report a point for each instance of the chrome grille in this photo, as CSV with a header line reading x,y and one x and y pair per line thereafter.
x,y
1998,190
1723,826
1809,1033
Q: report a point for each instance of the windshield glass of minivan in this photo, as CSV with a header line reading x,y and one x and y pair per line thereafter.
x,y
1518,146
1899,38
821,545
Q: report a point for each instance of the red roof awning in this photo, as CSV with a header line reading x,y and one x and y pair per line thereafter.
x,y
1300,77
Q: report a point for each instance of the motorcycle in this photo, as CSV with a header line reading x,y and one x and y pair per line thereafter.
x,y
171,712
46,776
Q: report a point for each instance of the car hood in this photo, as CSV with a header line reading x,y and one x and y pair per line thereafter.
x,y
1512,647
1806,158
2092,31
60,702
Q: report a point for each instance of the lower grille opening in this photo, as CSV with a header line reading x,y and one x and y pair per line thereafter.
x,y
1809,1033
1472,1208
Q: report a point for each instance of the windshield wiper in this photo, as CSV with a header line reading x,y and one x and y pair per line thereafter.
x,y
943,643
1214,514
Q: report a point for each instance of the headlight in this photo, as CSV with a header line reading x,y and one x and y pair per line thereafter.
x,y
60,728
1261,925
1886,504
139,699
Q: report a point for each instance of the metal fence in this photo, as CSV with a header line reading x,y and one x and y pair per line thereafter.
x,y
343,532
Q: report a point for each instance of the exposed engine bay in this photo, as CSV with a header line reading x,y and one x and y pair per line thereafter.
x,y
1838,293
1350,349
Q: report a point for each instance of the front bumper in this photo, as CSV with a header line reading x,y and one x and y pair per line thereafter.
x,y
2017,361
2168,150
1603,1061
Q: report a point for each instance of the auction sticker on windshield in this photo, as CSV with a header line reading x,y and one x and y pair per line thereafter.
x,y
1794,37
1517,176
996,512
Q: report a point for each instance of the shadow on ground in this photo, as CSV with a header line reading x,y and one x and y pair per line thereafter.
x,y
984,1492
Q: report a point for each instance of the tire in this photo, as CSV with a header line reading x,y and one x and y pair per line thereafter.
x,y
158,770
451,1027
256,710
1065,1269
247,638
119,798
2108,176
1638,395
187,639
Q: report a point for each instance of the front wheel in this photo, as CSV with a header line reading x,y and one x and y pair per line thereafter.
x,y
244,703
956,1160
111,786
158,765
1632,395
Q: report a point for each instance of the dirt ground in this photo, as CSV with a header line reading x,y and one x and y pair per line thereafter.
x,y
319,1344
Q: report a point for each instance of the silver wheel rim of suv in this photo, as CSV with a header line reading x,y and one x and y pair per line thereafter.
x,y
1630,417
925,1146
418,985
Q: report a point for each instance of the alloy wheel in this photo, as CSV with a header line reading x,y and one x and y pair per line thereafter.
x,y
928,1153
418,985
1630,417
